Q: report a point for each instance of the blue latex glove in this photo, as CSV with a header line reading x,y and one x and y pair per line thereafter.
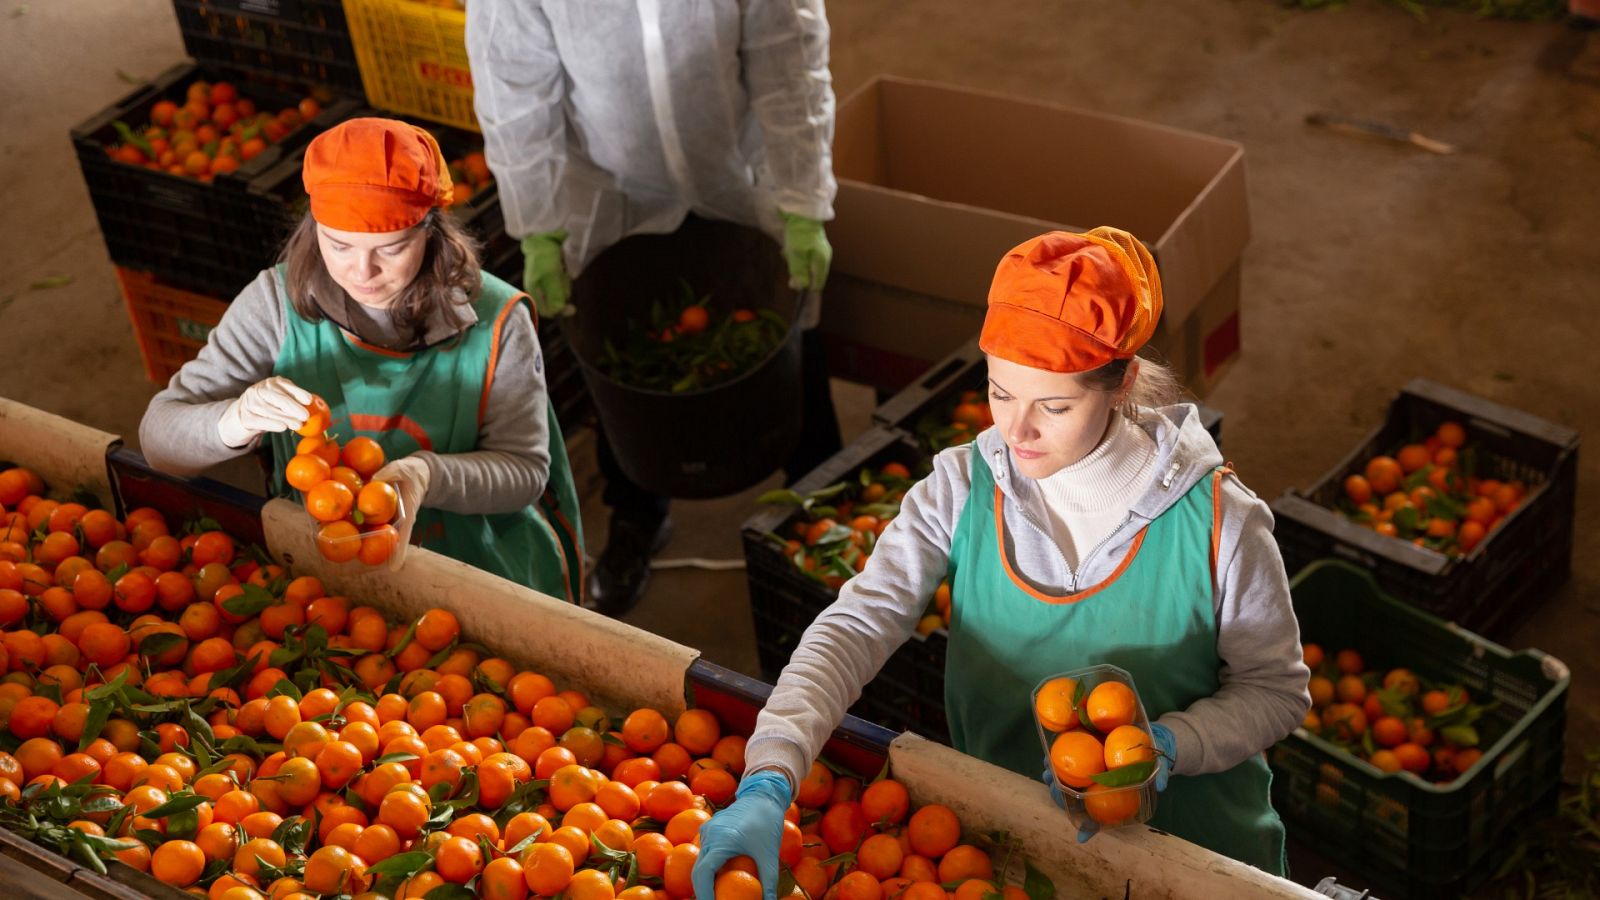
x,y
751,826
1166,752
806,249
544,273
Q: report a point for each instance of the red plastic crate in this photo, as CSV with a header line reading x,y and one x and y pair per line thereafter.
x,y
171,324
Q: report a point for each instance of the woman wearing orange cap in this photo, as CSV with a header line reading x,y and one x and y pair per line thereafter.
x,y
1094,523
379,306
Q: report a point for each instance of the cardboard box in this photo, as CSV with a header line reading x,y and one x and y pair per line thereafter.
x,y
937,182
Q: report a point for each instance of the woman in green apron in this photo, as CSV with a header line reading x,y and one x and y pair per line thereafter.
x,y
380,307
1094,523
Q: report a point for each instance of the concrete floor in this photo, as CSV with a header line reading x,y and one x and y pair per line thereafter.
x,y
1371,263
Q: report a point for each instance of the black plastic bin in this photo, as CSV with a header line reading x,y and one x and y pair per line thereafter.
x,y
698,444
1504,578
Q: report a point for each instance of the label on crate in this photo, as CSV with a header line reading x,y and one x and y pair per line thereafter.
x,y
172,196
275,8
443,74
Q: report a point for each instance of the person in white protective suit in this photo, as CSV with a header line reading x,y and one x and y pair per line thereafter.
x,y
608,118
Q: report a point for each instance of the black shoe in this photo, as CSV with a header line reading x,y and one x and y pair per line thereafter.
x,y
620,576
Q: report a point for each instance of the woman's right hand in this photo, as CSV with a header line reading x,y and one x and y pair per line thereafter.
x,y
751,826
272,404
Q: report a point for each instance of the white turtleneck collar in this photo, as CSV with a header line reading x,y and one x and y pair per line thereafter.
x,y
1087,500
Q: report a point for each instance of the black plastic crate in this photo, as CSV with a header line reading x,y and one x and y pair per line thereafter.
x,y
197,235
908,693
927,403
304,41
1412,837
1516,567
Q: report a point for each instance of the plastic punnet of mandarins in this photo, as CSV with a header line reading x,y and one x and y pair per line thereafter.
x,y
1434,493
353,512
1396,719
838,526
1098,746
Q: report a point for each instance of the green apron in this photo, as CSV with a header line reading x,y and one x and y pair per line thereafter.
x,y
433,399
1153,618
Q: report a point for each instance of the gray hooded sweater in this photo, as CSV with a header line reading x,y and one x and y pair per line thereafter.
x,y
1263,693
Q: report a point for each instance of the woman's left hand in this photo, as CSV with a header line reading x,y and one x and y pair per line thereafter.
x,y
409,477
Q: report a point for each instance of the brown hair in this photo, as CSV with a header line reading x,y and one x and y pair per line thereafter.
x,y
448,280
1155,385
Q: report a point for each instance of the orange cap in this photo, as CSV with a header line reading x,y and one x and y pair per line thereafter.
x,y
375,176
1072,302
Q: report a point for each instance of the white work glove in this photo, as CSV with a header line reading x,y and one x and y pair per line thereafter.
x,y
274,404
409,477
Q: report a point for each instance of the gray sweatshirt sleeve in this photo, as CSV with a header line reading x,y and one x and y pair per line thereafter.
x,y
1263,695
511,466
875,613
178,434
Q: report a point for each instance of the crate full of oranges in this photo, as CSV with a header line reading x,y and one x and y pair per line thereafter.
x,y
188,708
1459,505
168,168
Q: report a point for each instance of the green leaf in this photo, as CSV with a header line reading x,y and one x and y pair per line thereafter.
x,y
782,497
235,674
294,833
1394,703
394,758
99,712
284,657
102,803
50,690
524,844
450,892
403,643
1460,735
55,281
250,603
403,865
1125,776
161,642
179,803
838,534
286,688
439,658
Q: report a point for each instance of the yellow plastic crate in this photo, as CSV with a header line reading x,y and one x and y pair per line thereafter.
x,y
413,58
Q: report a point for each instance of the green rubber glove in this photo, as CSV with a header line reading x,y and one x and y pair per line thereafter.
x,y
544,274
806,248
